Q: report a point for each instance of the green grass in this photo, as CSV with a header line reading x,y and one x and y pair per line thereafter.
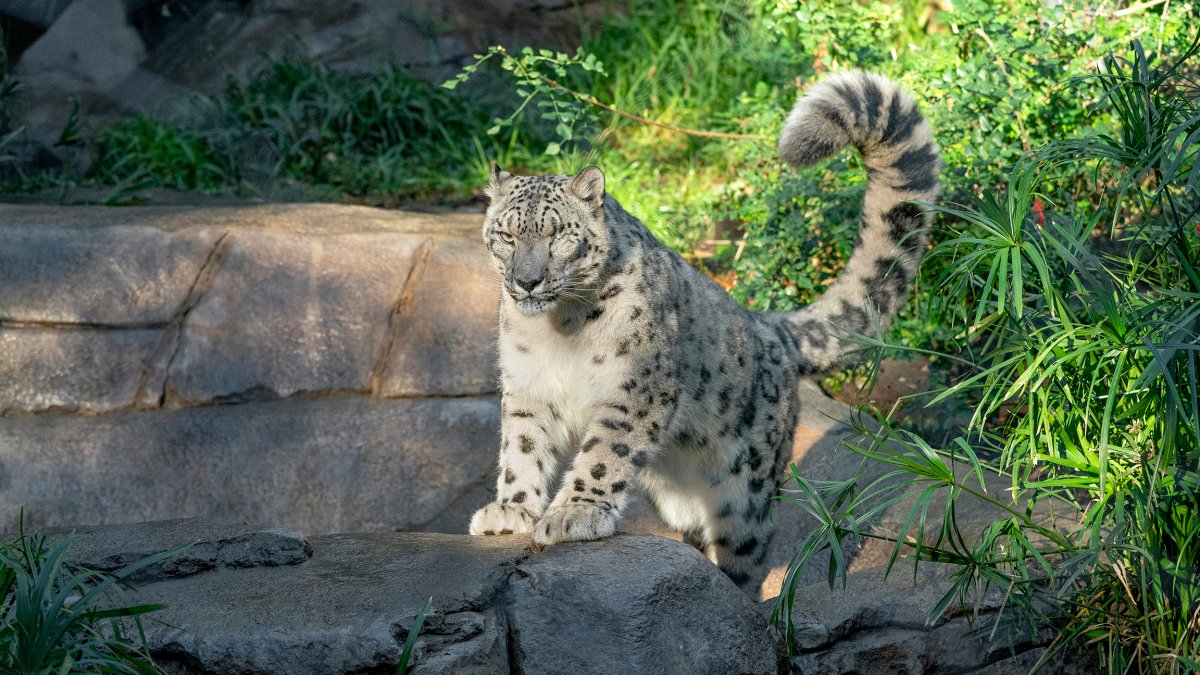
x,y
58,618
299,129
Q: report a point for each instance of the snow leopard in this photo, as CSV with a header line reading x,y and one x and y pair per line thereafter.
x,y
622,367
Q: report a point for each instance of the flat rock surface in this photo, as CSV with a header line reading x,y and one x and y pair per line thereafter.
x,y
626,604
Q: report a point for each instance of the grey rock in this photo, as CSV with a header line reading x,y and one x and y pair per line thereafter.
x,y
444,329
423,36
151,94
633,604
100,267
122,311
89,49
347,609
336,465
87,370
290,313
626,604
40,13
207,545
256,302
880,624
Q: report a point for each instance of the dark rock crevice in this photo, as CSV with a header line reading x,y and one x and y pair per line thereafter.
x,y
152,388
397,316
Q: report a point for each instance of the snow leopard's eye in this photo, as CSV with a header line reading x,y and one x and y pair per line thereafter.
x,y
505,237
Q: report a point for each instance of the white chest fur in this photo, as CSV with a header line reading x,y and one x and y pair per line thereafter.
x,y
575,373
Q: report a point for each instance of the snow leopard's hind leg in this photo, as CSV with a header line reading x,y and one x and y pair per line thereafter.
x,y
725,512
740,529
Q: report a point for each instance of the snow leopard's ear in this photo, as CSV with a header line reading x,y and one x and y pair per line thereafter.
x,y
498,184
588,186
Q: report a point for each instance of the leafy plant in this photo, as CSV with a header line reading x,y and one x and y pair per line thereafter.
x,y
141,152
302,128
684,118
1078,331
58,618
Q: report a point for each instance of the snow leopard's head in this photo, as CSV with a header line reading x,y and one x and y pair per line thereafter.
x,y
547,235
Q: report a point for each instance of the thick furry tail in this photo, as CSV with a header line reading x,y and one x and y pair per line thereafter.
x,y
873,114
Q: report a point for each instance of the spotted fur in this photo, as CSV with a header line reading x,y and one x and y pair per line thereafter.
x,y
612,348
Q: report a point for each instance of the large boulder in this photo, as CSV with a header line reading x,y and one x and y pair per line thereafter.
x,y
87,51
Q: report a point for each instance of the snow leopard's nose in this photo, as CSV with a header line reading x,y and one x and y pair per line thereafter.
x,y
529,281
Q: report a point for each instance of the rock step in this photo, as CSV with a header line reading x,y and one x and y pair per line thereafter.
x,y
107,309
342,464
272,601
632,604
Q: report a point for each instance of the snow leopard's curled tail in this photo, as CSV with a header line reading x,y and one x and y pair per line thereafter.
x,y
873,114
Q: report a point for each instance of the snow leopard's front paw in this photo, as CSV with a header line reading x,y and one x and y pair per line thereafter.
x,y
574,522
497,518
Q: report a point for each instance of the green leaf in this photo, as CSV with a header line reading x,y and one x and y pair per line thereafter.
x,y
411,641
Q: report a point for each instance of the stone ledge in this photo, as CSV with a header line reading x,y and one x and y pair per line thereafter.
x,y
626,604
879,624
344,464
236,303
210,545
630,603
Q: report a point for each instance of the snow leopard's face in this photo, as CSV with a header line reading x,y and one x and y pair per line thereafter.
x,y
547,235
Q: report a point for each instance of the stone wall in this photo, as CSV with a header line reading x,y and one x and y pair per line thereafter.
x,y
325,367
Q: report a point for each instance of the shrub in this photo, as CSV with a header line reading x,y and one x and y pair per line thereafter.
x,y
1081,366
987,76
298,127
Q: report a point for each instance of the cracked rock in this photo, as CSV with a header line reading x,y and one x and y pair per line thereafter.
x,y
210,545
625,604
